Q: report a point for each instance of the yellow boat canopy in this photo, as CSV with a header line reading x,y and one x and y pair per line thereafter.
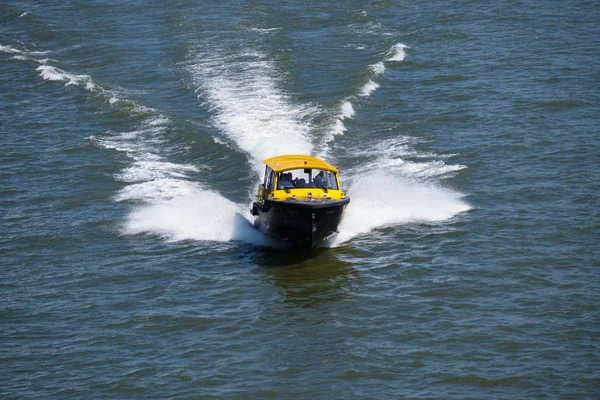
x,y
295,161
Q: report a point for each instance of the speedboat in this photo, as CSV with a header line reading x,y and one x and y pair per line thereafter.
x,y
300,200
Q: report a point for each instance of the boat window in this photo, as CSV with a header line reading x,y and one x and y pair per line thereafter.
x,y
283,181
269,177
267,169
325,179
307,178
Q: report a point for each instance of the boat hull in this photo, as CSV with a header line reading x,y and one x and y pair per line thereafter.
x,y
304,224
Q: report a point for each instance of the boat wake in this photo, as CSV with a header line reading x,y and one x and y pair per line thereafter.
x,y
255,116
346,109
243,93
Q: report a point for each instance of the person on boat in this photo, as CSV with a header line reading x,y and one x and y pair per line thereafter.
x,y
286,181
299,182
321,181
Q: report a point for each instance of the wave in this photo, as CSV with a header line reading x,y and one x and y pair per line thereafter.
x,y
377,69
142,145
8,49
374,72
397,52
167,200
12,50
50,73
391,187
368,88
396,155
346,112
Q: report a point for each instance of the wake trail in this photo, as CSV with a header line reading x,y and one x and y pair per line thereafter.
x,y
249,107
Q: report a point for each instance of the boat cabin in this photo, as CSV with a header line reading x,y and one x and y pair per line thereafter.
x,y
299,177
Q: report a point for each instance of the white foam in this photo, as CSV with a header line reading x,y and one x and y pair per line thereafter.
x,y
157,191
388,151
388,189
397,52
131,142
8,49
157,120
23,57
39,52
166,202
379,199
51,73
176,208
377,69
368,88
12,50
151,176
148,169
264,30
338,128
194,214
431,169
347,110
391,155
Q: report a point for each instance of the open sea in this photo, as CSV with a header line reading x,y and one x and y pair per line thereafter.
x,y
132,135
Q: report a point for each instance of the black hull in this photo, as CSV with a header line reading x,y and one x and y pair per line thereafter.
x,y
302,223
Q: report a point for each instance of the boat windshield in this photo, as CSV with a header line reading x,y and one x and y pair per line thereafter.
x,y
307,178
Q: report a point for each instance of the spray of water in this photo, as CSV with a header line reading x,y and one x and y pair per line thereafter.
x,y
250,109
382,199
195,213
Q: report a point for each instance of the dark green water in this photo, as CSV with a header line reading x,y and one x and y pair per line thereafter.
x,y
132,138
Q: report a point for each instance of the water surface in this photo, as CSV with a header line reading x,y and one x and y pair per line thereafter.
x,y
133,135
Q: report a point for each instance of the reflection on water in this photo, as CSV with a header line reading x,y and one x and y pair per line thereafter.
x,y
313,287
307,277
